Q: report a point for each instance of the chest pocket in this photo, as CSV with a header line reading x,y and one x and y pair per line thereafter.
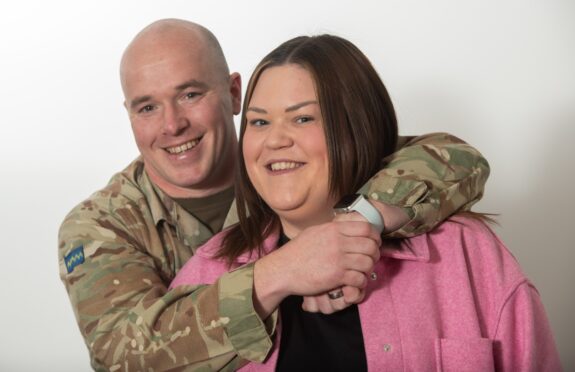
x,y
475,354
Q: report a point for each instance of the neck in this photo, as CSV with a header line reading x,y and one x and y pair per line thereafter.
x,y
292,227
179,192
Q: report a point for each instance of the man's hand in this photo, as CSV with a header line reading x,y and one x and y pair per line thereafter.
x,y
320,258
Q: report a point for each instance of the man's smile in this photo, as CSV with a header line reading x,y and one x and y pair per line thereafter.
x,y
183,147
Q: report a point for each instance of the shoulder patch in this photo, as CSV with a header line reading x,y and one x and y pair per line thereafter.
x,y
74,258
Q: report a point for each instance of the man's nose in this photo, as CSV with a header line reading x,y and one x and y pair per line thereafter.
x,y
175,120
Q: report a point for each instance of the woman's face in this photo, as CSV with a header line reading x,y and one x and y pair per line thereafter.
x,y
284,148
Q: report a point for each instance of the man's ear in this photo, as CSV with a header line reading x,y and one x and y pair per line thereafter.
x,y
236,92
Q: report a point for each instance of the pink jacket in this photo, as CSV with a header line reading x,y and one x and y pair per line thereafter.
x,y
454,299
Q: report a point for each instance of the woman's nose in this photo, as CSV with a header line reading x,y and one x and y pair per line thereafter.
x,y
279,136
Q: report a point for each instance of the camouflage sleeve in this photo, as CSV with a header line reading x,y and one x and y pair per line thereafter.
x,y
129,319
432,177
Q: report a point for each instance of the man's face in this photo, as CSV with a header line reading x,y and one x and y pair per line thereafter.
x,y
181,108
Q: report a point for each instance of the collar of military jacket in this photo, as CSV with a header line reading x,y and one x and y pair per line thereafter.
x,y
161,205
163,208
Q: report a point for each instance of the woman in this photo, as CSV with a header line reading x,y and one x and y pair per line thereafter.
x,y
453,299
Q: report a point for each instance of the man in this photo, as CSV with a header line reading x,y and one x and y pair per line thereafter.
x,y
120,249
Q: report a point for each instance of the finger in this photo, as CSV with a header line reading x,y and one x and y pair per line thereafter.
x,y
325,304
310,304
335,294
329,306
354,278
358,229
353,216
352,295
364,246
358,262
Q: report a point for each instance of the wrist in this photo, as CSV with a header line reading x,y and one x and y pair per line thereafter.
x,y
394,217
360,204
270,286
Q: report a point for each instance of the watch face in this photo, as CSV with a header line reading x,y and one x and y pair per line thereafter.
x,y
346,201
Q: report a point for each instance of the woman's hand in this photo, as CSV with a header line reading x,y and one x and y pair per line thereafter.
x,y
393,217
325,305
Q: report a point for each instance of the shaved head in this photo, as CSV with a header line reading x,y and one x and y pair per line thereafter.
x,y
181,100
170,36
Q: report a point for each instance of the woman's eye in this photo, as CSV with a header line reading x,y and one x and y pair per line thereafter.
x,y
304,119
258,122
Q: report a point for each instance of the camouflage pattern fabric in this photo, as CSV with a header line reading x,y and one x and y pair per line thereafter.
x,y
431,176
120,249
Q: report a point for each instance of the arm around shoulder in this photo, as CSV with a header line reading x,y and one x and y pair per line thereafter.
x,y
120,296
430,177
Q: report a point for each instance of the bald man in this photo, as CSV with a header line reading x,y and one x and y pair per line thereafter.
x,y
120,248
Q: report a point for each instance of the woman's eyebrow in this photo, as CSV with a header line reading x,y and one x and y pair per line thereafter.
x,y
289,109
300,105
257,109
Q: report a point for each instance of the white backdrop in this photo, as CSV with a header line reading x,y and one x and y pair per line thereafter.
x,y
499,74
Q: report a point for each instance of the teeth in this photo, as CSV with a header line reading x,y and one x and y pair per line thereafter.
x,y
283,165
184,147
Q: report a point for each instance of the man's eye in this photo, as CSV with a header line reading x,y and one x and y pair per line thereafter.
x,y
258,122
191,95
146,109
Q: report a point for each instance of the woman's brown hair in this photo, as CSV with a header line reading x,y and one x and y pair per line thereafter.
x,y
359,124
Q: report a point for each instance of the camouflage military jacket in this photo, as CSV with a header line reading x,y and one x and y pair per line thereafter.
x,y
120,249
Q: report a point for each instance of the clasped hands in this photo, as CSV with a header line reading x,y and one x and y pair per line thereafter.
x,y
394,218
337,255
359,270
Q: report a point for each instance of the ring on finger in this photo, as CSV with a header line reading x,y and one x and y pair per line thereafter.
x,y
334,295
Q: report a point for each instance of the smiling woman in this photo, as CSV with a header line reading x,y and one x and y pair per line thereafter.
x,y
321,90
284,148
317,120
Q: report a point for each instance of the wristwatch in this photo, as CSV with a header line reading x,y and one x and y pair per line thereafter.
x,y
358,203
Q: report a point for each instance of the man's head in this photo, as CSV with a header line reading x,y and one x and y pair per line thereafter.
x,y
181,100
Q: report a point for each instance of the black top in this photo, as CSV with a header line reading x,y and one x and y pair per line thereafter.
x,y
318,342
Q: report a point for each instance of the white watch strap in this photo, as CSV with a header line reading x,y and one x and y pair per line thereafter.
x,y
371,214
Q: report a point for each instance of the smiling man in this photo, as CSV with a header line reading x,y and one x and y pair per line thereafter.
x,y
120,248
181,100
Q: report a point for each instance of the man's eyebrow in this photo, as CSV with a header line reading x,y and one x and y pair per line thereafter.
x,y
300,105
188,84
192,84
138,100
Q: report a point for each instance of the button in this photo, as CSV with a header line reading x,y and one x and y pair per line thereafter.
x,y
387,348
373,276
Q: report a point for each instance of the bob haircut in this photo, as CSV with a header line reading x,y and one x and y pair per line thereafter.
x,y
360,129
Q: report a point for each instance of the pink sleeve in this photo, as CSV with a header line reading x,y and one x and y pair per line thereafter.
x,y
202,268
199,270
523,338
